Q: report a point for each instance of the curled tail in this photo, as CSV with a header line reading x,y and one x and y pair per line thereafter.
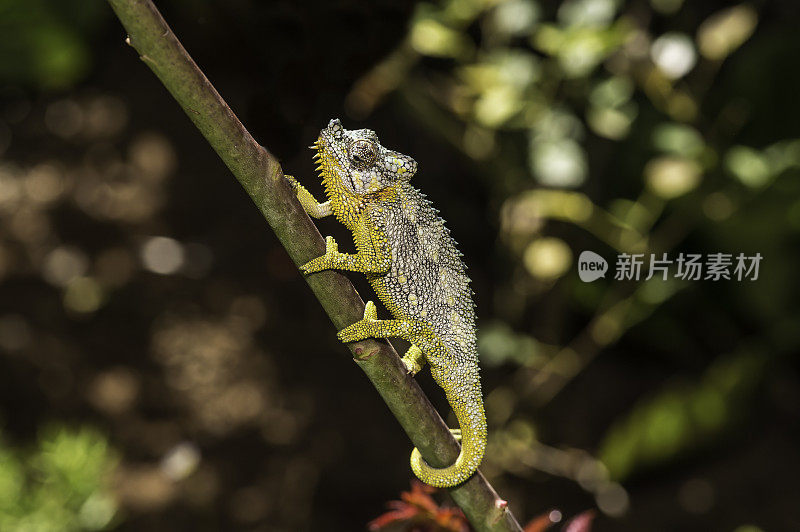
x,y
464,395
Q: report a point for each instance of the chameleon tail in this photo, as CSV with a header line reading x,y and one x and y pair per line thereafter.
x,y
464,395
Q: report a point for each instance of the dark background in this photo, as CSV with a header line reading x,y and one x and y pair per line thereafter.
x,y
144,301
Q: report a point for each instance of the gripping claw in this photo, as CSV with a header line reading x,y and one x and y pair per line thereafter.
x,y
370,311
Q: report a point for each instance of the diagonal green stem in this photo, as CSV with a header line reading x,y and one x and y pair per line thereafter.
x,y
261,176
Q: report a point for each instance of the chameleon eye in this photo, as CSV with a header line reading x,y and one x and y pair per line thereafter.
x,y
363,152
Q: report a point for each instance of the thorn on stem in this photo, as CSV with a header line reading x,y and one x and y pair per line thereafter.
x,y
502,506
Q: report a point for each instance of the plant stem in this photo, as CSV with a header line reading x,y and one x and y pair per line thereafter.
x,y
262,178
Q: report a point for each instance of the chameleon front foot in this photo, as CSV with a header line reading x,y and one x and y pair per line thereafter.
x,y
324,262
292,182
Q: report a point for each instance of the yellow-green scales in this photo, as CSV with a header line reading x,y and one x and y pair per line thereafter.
x,y
412,263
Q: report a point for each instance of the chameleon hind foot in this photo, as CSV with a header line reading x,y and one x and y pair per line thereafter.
x,y
371,327
361,329
414,360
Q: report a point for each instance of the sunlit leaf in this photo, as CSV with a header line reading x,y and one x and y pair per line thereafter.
x,y
587,13
514,17
61,487
674,54
497,105
610,122
749,166
547,258
678,139
670,177
726,30
558,163
498,344
612,92
580,49
431,37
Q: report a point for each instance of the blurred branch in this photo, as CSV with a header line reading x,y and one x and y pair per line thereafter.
x,y
382,80
621,309
262,177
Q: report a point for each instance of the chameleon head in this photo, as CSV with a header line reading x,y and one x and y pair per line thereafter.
x,y
356,161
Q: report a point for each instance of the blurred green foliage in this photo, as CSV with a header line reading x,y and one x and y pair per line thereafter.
x,y
683,415
62,485
618,127
655,126
43,44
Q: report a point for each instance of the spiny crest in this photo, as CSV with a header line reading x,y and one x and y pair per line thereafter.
x,y
354,163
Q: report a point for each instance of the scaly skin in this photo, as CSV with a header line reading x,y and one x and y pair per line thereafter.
x,y
415,269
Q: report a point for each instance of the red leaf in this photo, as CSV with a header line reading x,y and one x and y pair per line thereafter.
x,y
539,524
417,485
418,509
395,516
580,523
452,520
418,497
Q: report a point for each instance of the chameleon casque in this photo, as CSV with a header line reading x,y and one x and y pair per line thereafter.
x,y
413,265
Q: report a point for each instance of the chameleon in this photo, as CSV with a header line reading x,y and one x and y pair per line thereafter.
x,y
415,269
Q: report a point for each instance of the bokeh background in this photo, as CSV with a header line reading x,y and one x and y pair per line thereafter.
x,y
163,366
